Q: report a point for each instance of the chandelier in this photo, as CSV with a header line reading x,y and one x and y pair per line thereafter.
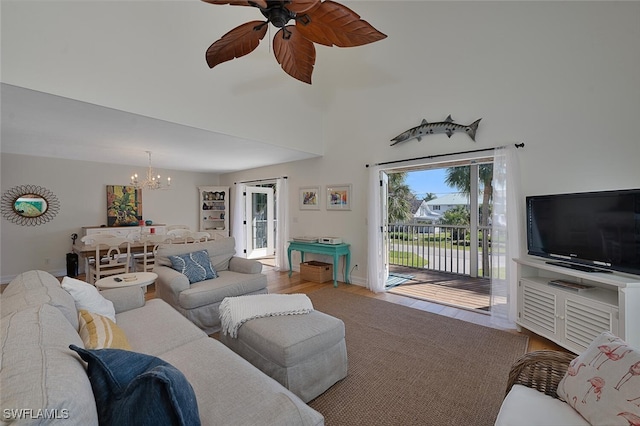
x,y
152,181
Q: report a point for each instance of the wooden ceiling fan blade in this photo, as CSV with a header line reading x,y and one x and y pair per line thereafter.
x,y
332,23
295,54
238,42
299,6
255,3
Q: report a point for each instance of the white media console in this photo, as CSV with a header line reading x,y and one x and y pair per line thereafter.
x,y
572,318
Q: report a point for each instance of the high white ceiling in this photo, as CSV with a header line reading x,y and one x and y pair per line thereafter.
x,y
45,125
104,80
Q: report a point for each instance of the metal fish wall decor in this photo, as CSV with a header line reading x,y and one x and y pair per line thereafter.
x,y
447,126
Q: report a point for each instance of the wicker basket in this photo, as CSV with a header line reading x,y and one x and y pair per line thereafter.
x,y
540,370
317,272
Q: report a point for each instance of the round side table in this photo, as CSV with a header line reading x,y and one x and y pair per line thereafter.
x,y
142,279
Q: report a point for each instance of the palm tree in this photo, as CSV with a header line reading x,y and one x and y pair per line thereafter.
x,y
399,204
457,216
460,178
430,196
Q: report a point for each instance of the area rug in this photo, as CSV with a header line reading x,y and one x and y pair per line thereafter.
x,y
409,367
396,279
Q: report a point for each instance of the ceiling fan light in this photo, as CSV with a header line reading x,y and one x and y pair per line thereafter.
x,y
323,22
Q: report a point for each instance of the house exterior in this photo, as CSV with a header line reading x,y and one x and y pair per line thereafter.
x,y
434,210
423,213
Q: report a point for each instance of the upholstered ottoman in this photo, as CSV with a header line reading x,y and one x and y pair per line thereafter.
x,y
305,353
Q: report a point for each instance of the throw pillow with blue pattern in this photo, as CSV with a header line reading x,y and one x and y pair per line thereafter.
x,y
195,265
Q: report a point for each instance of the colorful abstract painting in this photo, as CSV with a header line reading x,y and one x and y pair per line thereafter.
x,y
339,197
124,205
309,198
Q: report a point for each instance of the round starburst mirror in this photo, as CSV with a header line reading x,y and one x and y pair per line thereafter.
x,y
29,205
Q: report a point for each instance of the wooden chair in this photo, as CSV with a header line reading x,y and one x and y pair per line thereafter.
x,y
199,237
147,260
179,235
113,256
89,240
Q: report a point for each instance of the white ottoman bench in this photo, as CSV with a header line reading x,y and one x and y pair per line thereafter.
x,y
305,353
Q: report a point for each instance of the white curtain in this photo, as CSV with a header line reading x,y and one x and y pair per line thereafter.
x,y
505,236
376,271
237,223
282,234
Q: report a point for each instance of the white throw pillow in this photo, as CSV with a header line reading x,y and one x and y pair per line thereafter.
x,y
88,297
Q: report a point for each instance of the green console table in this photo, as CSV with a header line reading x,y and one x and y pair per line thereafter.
x,y
334,250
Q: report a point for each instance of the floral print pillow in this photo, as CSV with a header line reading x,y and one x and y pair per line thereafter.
x,y
603,383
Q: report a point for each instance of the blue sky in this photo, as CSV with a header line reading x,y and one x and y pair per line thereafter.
x,y
426,181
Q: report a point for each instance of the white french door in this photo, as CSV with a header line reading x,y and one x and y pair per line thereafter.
x,y
259,224
384,226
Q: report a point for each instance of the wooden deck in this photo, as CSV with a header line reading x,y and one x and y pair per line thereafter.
x,y
448,289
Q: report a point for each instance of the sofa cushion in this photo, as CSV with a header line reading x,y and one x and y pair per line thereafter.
x,y
124,298
228,284
166,331
30,280
246,397
220,252
602,384
98,332
88,297
132,388
524,406
196,266
39,372
34,288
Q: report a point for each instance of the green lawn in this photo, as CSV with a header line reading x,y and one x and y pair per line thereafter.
x,y
407,258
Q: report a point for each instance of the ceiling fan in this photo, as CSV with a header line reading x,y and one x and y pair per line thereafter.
x,y
315,21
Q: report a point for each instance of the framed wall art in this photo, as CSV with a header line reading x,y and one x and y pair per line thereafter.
x,y
124,205
339,197
29,205
310,198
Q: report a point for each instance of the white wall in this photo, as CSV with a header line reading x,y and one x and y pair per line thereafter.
x,y
161,69
81,189
562,77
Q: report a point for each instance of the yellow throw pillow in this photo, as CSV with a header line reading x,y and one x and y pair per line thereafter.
x,y
99,332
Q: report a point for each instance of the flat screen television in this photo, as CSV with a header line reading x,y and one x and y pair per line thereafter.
x,y
592,231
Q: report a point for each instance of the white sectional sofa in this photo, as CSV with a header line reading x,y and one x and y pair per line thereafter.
x,y
41,378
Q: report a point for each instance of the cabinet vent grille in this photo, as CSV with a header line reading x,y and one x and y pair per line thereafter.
x,y
584,323
539,308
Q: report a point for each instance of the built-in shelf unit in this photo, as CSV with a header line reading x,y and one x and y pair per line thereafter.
x,y
214,210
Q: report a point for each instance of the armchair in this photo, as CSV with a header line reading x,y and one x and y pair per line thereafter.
x,y
199,301
531,394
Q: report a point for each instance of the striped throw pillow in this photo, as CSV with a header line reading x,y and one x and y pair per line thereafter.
x,y
99,332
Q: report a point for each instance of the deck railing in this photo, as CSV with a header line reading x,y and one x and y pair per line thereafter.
x,y
443,248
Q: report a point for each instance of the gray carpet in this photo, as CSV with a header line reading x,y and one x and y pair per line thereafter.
x,y
409,367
